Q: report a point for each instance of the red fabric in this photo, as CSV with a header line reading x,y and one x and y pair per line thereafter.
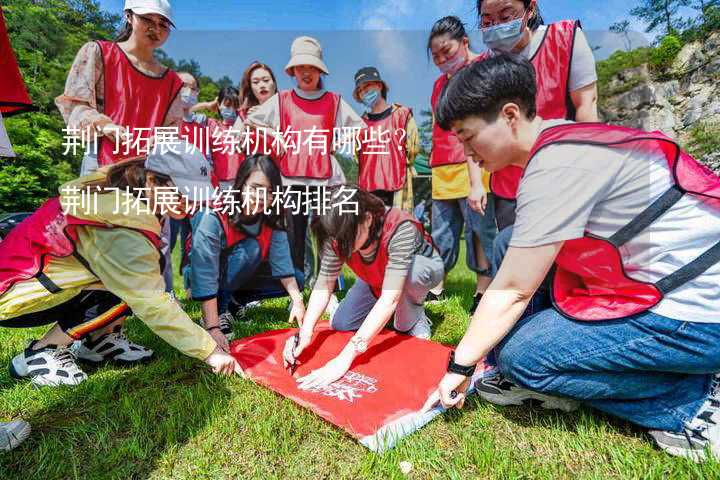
x,y
303,117
446,148
373,273
13,95
133,100
590,281
382,156
226,154
400,373
552,64
45,234
233,235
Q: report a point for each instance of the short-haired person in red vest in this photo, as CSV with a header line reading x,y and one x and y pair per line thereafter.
x,y
389,144
630,224
118,90
396,265
566,86
452,198
307,116
84,264
229,243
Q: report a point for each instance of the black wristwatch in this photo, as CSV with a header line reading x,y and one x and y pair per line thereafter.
x,y
459,369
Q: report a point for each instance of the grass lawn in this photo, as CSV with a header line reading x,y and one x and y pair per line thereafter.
x,y
171,418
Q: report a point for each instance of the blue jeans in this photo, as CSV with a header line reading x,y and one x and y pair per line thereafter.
x,y
448,219
651,370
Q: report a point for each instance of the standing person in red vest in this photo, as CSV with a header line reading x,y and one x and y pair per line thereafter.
x,y
307,116
395,263
633,236
450,48
388,145
567,86
119,92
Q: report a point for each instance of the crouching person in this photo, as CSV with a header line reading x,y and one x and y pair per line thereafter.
x,y
631,224
230,242
85,269
395,263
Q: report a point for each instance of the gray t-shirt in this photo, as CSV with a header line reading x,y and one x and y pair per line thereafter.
x,y
567,190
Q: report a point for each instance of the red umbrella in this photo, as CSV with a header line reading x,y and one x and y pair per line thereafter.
x,y
13,95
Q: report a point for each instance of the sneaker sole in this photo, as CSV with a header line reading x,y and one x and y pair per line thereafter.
x,y
545,402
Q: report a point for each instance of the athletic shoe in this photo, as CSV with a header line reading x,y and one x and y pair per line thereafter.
x,y
13,434
476,302
700,437
114,346
435,297
225,322
332,307
49,366
421,328
499,390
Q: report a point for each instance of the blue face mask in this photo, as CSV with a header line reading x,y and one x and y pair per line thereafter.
x,y
504,37
228,114
370,98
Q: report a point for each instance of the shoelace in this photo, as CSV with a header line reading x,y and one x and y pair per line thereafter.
x,y
65,357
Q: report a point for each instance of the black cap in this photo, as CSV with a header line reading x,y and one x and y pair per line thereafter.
x,y
365,75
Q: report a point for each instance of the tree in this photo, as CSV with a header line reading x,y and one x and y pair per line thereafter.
x,y
623,28
659,15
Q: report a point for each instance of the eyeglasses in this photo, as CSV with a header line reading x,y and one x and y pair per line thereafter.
x,y
150,23
505,16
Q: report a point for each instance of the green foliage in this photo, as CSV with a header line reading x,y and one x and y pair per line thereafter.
x,y
663,56
704,139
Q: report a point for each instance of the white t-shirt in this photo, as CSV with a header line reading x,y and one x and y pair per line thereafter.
x,y
567,190
5,146
582,65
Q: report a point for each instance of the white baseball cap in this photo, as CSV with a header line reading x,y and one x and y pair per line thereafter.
x,y
143,7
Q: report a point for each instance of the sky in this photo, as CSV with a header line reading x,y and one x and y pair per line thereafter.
x,y
224,36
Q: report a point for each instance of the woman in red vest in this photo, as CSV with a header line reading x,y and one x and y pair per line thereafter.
x,y
84,260
395,263
230,242
632,236
388,145
118,92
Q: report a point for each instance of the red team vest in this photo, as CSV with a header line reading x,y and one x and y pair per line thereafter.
x,y
45,234
133,100
226,156
383,163
552,64
446,148
300,115
590,280
373,273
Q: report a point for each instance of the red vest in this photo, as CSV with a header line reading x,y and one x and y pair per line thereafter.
x,y
234,235
225,151
47,233
133,100
382,156
373,273
552,63
446,148
590,281
13,95
307,154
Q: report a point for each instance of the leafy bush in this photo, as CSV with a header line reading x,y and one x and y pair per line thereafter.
x,y
664,55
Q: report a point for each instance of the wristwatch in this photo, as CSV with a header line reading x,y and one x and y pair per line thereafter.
x,y
359,344
459,369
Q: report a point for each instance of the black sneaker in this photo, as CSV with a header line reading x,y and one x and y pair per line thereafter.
x,y
499,390
49,366
476,302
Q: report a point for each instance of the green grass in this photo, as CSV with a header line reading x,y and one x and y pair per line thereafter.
x,y
171,418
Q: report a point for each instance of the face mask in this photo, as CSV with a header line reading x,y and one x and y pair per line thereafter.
x,y
188,98
453,65
228,113
504,37
370,99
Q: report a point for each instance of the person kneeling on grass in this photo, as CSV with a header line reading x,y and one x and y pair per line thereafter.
x,y
85,268
631,224
395,263
227,247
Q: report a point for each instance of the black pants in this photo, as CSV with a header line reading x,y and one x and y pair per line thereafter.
x,y
78,317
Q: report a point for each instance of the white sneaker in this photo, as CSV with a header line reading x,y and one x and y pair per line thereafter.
x,y
113,346
332,307
422,328
225,322
499,390
13,434
49,366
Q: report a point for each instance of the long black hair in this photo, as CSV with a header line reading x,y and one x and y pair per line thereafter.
x,y
340,222
264,164
534,22
450,25
126,30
